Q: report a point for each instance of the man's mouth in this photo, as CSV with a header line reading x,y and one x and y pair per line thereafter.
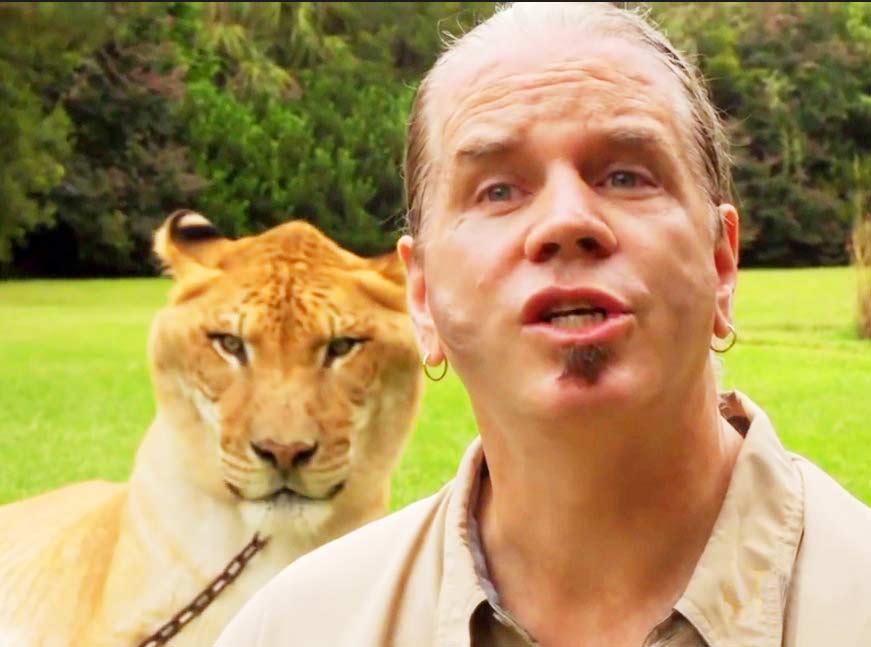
x,y
577,316
562,306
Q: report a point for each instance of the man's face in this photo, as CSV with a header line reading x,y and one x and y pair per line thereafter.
x,y
569,258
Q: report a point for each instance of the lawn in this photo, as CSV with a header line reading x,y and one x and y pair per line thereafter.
x,y
75,395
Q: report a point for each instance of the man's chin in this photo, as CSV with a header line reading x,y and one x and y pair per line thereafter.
x,y
585,364
587,380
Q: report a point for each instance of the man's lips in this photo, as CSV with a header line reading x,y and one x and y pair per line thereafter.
x,y
554,299
577,316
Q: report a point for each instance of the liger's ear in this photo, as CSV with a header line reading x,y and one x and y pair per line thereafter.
x,y
390,267
187,240
383,279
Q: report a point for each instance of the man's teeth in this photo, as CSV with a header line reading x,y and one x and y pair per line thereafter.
x,y
577,320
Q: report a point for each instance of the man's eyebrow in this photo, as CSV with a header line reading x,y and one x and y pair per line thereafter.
x,y
651,139
653,142
636,136
479,146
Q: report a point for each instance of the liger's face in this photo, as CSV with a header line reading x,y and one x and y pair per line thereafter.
x,y
569,256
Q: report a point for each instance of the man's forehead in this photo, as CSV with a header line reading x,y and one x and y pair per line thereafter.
x,y
625,131
495,96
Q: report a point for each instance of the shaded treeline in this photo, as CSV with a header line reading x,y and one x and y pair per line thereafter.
x,y
112,115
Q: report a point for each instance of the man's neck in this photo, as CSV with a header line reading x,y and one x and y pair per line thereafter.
x,y
588,524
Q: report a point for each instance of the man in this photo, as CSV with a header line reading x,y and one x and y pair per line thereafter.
x,y
573,254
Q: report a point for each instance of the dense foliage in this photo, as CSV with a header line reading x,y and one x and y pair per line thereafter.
x,y
794,80
112,115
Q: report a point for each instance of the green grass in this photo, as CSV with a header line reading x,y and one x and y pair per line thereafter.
x,y
75,396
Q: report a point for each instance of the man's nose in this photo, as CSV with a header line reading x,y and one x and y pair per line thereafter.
x,y
568,224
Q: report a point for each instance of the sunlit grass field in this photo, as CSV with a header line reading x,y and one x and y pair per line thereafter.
x,y
75,396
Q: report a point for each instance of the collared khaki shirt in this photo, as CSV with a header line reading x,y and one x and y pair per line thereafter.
x,y
788,563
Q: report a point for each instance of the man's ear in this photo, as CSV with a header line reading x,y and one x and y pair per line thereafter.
x,y
726,263
418,306
187,241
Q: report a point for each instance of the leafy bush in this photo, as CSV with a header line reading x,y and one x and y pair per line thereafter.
x,y
331,157
40,45
793,82
128,166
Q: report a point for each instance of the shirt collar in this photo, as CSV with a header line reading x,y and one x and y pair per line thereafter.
x,y
461,591
737,593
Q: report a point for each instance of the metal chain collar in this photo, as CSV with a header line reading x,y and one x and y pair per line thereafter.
x,y
208,595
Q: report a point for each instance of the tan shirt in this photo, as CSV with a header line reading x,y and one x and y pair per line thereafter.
x,y
788,563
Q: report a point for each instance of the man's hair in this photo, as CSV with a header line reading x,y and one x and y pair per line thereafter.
x,y
710,154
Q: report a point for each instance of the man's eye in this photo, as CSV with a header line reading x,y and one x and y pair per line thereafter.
x,y
624,180
500,192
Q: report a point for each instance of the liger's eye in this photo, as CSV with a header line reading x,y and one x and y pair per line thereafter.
x,y
230,344
339,347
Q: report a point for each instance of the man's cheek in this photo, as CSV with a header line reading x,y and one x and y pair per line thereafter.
x,y
457,318
677,252
676,279
484,251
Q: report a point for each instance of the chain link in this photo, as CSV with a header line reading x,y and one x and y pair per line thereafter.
x,y
208,595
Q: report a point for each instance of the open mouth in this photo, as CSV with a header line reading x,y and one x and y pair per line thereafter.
x,y
574,316
577,315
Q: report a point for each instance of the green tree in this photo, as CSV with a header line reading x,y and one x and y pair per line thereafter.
x,y
112,115
793,81
129,166
39,47
324,140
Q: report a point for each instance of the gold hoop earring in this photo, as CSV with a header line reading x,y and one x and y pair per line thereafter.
x,y
429,375
730,343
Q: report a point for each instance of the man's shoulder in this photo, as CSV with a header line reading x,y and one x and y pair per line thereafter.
x,y
363,570
835,550
832,513
831,578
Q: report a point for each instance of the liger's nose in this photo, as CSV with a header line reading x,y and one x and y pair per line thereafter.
x,y
285,455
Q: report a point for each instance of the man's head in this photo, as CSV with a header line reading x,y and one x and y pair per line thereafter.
x,y
520,21
573,242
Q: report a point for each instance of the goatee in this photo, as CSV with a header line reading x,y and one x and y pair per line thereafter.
x,y
586,362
